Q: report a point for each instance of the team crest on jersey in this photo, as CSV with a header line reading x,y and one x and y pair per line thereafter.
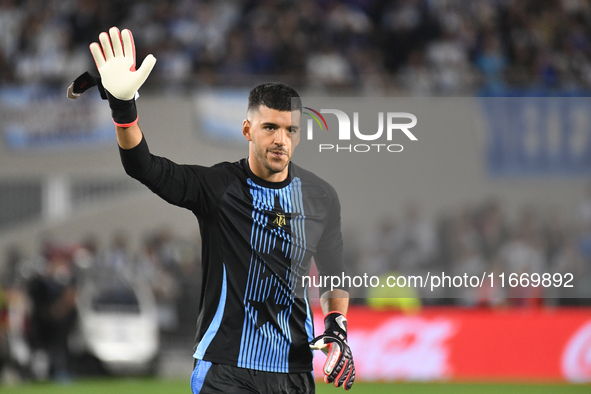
x,y
280,220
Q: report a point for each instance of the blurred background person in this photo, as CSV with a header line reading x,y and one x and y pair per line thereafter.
x,y
53,315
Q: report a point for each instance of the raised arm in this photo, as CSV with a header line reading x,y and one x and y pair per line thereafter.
x,y
128,137
115,60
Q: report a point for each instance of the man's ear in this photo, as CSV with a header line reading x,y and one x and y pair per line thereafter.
x,y
246,129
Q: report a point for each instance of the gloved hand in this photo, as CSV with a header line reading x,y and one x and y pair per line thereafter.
x,y
116,65
339,367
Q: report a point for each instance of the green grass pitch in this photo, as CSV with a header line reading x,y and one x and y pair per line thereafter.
x,y
150,386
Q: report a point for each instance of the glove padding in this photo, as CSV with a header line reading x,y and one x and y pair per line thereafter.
x,y
121,81
116,64
339,367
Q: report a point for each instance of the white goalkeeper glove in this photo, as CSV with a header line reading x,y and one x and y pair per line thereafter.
x,y
115,62
339,367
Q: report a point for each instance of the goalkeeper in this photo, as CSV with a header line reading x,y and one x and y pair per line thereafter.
x,y
262,219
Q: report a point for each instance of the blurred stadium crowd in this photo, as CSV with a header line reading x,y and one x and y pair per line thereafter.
x,y
422,47
483,238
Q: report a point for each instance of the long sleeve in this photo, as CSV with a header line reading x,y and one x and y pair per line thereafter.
x,y
189,186
329,256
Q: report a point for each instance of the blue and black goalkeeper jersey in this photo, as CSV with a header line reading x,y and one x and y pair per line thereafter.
x,y
258,240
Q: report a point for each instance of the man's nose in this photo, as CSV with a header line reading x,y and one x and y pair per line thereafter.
x,y
280,137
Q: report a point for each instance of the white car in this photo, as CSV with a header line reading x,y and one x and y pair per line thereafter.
x,y
118,324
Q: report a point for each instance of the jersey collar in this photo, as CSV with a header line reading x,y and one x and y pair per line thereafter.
x,y
264,183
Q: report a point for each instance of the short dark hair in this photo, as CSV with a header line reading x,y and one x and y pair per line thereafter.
x,y
274,95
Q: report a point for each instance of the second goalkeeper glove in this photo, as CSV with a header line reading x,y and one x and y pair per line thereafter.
x,y
339,367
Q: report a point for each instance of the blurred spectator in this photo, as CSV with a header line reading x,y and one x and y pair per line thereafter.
x,y
523,251
415,77
416,241
523,254
492,228
554,234
462,234
469,261
118,258
584,213
492,63
15,351
158,265
380,256
329,68
3,330
568,260
53,296
584,242
448,59
86,256
491,294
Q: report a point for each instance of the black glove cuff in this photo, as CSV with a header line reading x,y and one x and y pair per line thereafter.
x,y
124,112
337,323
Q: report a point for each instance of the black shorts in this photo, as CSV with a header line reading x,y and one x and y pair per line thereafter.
x,y
209,378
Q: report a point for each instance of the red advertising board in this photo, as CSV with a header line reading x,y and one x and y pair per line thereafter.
x,y
469,344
